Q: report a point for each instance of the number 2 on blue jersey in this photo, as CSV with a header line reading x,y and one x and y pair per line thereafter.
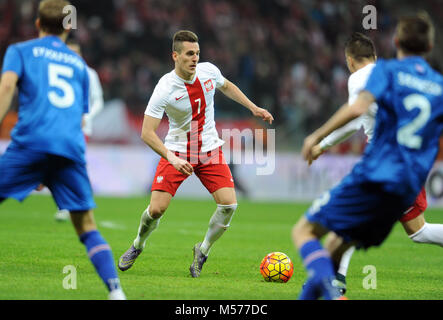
x,y
407,134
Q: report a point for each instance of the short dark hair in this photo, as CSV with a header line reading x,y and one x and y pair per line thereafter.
x,y
50,13
415,33
182,36
360,47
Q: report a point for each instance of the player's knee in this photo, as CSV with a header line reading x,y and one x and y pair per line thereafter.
x,y
227,209
224,214
332,242
297,229
156,211
301,231
83,221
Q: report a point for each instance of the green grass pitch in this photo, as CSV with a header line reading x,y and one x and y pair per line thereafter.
x,y
35,249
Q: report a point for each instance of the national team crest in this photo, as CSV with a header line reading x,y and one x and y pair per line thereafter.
x,y
419,68
159,179
208,85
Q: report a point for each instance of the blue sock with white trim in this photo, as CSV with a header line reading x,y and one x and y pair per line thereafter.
x,y
320,272
100,254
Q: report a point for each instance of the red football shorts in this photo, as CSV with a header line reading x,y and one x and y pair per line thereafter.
x,y
417,208
211,169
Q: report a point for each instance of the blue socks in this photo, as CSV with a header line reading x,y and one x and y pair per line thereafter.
x,y
320,273
101,257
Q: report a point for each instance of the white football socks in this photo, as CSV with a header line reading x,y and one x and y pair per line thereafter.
x,y
429,233
218,224
117,294
147,225
345,260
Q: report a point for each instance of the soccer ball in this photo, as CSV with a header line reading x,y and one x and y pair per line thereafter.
x,y
276,267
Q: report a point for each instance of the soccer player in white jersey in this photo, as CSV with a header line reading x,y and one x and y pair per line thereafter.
x,y
96,104
360,57
192,144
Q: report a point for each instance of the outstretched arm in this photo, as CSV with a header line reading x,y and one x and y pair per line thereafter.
x,y
337,136
341,134
344,115
233,92
150,137
7,87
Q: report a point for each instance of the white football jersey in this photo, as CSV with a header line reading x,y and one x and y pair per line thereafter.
x,y
356,83
96,102
189,106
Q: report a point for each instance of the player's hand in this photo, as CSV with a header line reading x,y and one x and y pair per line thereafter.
x,y
316,152
180,165
310,142
263,114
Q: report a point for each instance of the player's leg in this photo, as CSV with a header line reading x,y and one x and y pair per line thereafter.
x,y
99,252
149,221
166,182
150,218
218,224
360,213
416,227
221,218
420,231
306,237
341,259
217,178
71,189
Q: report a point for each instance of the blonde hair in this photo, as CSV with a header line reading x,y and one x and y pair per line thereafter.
x,y
50,13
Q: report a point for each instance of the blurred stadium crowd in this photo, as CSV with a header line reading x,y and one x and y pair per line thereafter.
x,y
286,55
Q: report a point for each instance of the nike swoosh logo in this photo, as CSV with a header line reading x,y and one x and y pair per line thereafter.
x,y
176,99
125,263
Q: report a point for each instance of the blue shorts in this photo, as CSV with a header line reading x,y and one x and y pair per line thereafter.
x,y
361,212
22,170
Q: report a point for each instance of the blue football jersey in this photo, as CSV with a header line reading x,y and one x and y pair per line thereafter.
x,y
409,122
53,96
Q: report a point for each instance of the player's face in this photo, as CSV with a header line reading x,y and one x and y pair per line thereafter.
x,y
186,60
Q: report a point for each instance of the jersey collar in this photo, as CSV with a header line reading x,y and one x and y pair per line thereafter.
x,y
183,80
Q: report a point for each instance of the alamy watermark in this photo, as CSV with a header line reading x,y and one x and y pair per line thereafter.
x,y
370,281
70,280
70,21
248,146
370,20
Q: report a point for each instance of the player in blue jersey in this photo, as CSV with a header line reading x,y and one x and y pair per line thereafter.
x,y
362,209
48,145
360,56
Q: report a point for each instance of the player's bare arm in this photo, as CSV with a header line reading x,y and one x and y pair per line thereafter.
x,y
233,92
344,115
150,137
7,89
